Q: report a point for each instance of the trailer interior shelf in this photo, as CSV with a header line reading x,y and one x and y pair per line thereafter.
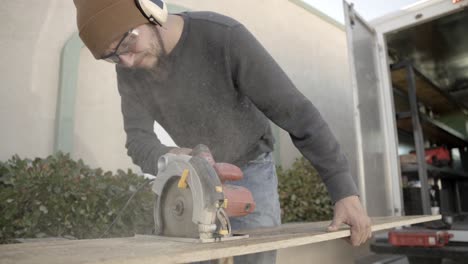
x,y
435,131
432,97
418,103
428,93
442,172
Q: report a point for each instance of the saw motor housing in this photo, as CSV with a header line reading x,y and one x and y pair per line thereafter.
x,y
195,187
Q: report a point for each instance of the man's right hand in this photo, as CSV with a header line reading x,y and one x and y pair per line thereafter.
x,y
350,211
179,151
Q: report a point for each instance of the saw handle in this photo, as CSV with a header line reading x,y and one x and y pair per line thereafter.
x,y
225,171
203,151
228,172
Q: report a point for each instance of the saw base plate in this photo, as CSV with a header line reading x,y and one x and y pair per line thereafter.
x,y
203,240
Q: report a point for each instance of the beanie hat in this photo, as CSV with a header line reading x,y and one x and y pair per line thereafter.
x,y
100,22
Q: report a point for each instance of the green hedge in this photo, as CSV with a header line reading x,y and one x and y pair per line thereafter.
x,y
60,197
303,196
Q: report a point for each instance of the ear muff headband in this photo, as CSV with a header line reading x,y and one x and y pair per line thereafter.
x,y
154,10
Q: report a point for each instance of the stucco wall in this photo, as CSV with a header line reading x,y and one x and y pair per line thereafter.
x,y
99,137
32,35
310,50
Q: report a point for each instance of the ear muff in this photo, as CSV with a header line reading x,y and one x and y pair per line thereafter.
x,y
154,10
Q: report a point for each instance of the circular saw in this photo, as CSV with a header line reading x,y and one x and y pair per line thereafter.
x,y
192,199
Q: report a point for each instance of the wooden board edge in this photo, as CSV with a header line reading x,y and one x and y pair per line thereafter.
x,y
217,253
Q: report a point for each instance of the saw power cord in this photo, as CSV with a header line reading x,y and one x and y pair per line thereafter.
x,y
125,206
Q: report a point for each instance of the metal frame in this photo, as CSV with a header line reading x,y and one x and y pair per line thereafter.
x,y
391,167
416,15
357,116
418,137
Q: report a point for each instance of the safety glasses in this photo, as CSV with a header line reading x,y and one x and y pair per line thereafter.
x,y
123,47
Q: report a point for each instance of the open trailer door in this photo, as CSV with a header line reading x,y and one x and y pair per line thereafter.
x,y
379,190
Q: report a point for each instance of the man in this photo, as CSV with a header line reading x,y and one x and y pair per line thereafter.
x,y
207,80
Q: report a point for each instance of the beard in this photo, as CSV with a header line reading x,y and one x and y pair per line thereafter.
x,y
155,57
158,59
150,58
159,54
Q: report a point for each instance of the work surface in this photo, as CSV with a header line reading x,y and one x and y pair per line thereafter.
x,y
151,249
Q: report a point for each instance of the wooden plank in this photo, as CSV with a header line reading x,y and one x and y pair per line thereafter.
x,y
401,102
151,249
427,92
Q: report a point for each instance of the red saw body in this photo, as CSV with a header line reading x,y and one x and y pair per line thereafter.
x,y
240,201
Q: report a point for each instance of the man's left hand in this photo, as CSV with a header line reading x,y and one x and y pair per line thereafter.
x,y
349,211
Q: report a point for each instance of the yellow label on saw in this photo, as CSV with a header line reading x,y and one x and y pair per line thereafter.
x,y
223,232
183,179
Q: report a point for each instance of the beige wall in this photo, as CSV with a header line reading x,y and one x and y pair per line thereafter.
x,y
99,137
311,51
32,35
32,45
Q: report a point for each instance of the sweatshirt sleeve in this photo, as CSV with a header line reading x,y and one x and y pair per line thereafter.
x,y
142,144
256,75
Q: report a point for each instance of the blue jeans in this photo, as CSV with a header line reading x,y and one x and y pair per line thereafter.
x,y
260,178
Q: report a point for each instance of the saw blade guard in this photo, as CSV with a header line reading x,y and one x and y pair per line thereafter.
x,y
203,182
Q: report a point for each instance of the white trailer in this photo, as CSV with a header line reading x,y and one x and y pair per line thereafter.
x,y
423,43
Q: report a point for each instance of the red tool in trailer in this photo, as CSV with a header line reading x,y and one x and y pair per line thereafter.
x,y
419,238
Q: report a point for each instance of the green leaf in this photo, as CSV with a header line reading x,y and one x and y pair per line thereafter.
x,y
43,209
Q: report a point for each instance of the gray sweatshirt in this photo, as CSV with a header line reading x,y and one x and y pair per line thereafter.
x,y
219,87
